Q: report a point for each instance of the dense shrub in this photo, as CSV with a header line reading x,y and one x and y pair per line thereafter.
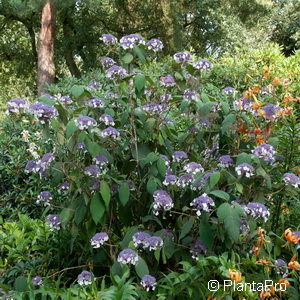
x,y
166,149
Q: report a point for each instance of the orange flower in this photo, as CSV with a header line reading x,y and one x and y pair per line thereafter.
x,y
276,81
248,94
266,76
284,281
294,265
291,236
288,98
255,250
260,140
235,275
257,131
266,68
297,170
257,105
264,261
255,89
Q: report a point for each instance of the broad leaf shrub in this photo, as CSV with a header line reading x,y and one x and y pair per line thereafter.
x,y
160,180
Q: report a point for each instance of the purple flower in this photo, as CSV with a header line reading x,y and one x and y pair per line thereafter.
x,y
244,227
107,119
202,65
110,132
167,233
206,123
64,187
139,238
197,248
243,104
43,112
92,171
179,155
182,57
291,179
54,222
66,100
282,267
153,108
165,97
129,41
108,38
37,281
85,122
155,45
167,80
245,169
94,185
44,197
107,62
128,256
85,278
162,201
153,243
190,95
216,107
116,72
32,166
185,180
99,239
165,158
148,282
229,90
265,151
270,111
202,203
111,95
17,105
94,85
170,180
95,102
193,168
81,146
46,160
100,160
257,210
225,161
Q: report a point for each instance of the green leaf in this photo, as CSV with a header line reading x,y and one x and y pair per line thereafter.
x,y
214,179
77,91
140,54
127,58
151,185
105,193
124,193
97,208
80,211
21,284
141,268
70,128
93,147
186,228
220,194
139,83
243,158
161,167
228,122
66,215
239,187
230,214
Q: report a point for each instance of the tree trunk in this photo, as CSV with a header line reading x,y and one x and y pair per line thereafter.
x,y
32,41
46,67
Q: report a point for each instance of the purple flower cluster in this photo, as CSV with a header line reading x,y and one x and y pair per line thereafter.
x,y
225,161
64,187
155,45
291,179
45,198
153,108
162,202
129,41
190,95
167,81
257,210
270,111
145,240
108,38
92,171
95,102
282,267
107,62
99,239
148,282
110,132
100,160
245,169
94,85
85,122
85,278
65,100
243,104
265,152
197,248
202,65
116,72
107,120
54,222
182,57
43,112
37,281
165,98
41,165
185,180
170,180
139,238
128,256
202,203
229,90
193,168
17,105
179,156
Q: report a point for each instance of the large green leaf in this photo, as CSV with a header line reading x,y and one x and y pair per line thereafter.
x,y
139,82
105,193
186,228
97,208
230,214
141,268
214,179
124,193
220,194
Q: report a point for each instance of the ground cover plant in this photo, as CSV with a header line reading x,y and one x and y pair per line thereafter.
x,y
152,176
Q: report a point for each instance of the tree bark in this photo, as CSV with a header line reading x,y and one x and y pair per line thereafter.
x,y
32,41
46,67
